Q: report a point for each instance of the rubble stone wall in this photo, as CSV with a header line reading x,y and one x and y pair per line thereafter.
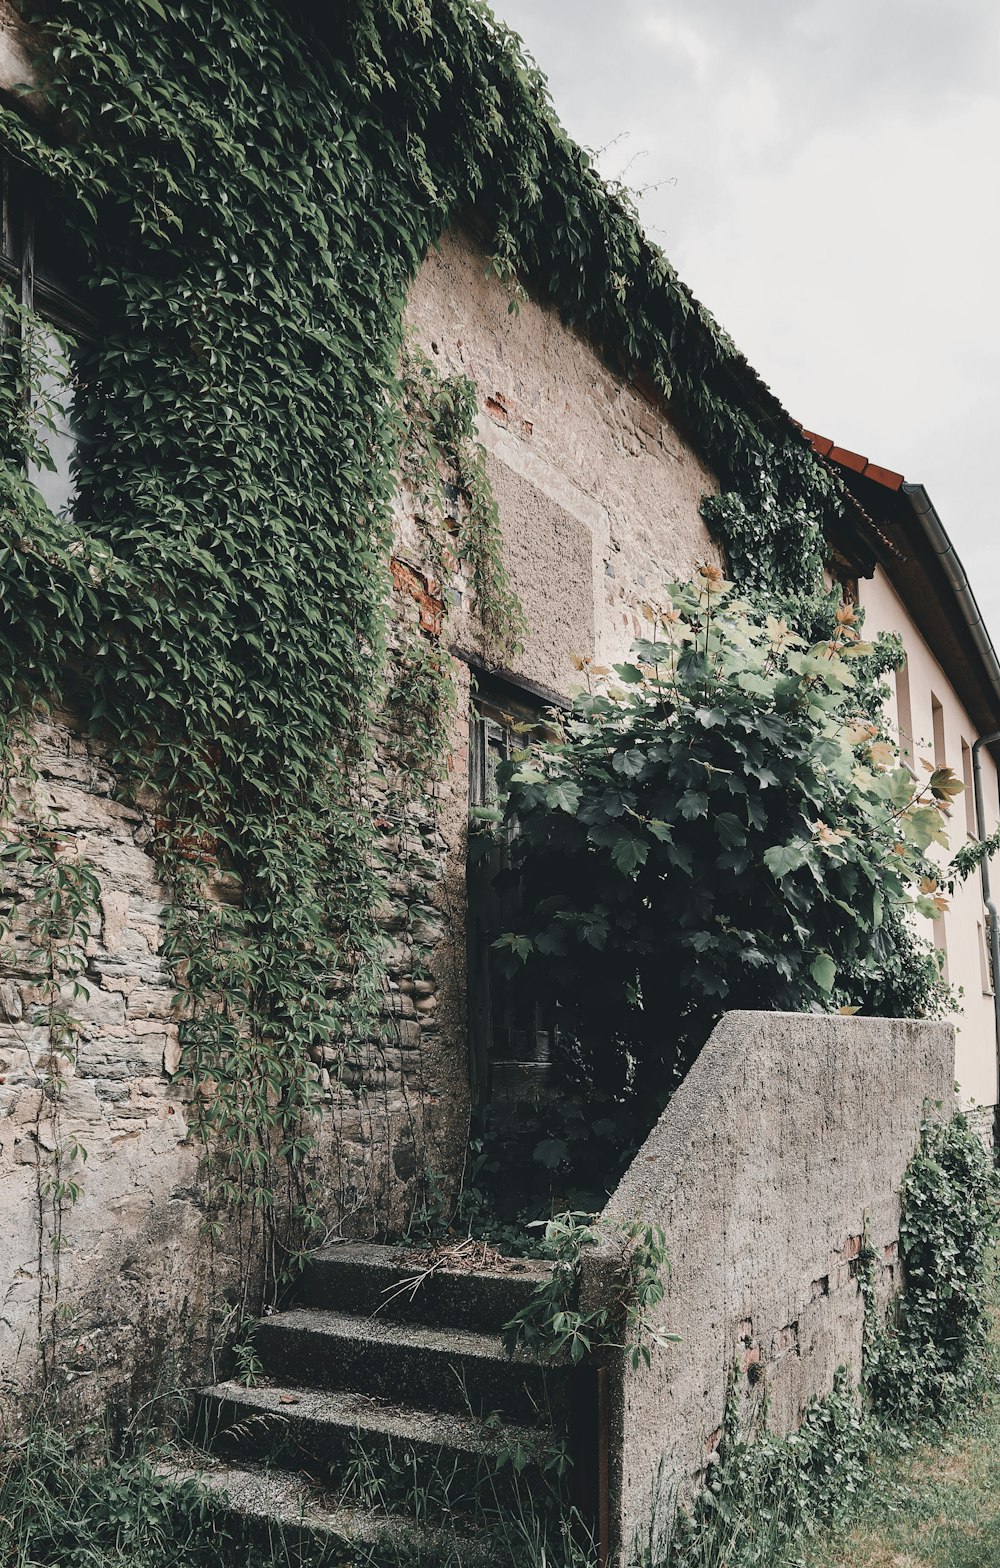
x,y
598,501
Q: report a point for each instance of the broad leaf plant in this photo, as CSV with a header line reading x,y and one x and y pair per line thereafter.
x,y
719,825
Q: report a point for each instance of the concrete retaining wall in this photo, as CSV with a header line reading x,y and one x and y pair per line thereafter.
x,y
790,1131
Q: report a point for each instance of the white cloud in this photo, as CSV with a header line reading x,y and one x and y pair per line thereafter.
x,y
683,40
833,198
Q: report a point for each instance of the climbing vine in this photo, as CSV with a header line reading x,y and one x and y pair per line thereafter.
x,y
48,896
552,1325
930,1353
254,191
446,466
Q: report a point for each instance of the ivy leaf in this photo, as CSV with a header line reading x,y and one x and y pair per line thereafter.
x,y
732,834
629,762
512,942
629,854
693,804
629,674
563,795
782,859
660,830
550,1152
824,971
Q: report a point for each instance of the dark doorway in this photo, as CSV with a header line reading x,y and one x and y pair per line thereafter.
x,y
511,1025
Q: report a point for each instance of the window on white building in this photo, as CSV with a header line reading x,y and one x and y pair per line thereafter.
x,y
984,961
904,715
937,731
970,793
941,943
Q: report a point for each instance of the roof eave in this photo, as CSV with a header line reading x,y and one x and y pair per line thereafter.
x,y
936,535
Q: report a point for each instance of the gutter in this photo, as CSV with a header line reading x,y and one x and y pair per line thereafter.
x,y
934,532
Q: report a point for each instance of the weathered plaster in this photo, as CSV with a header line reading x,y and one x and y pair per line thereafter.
x,y
599,493
962,931
17,62
134,1270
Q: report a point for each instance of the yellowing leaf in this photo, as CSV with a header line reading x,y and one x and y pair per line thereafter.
x,y
882,754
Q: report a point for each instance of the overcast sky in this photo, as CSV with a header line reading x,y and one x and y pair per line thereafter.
x,y
824,175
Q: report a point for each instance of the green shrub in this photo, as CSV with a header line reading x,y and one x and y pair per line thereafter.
x,y
720,825
931,1353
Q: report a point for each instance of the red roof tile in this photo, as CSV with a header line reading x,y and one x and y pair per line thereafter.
x,y
848,459
819,444
824,447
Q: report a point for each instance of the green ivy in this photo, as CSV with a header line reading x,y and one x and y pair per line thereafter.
x,y
445,465
255,191
931,1352
552,1326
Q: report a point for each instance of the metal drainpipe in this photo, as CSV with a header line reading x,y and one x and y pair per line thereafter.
x,y
991,909
934,532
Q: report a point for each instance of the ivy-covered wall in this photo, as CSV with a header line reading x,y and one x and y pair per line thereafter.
x,y
254,192
394,1101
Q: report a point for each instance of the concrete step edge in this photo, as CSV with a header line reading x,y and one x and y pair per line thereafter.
x,y
264,1499
346,1412
330,1324
412,1285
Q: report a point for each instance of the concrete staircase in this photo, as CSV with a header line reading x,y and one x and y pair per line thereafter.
x,y
386,1421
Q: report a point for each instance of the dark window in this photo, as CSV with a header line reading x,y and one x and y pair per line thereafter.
x,y
41,265
512,1027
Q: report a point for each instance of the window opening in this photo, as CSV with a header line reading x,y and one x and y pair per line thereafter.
x,y
41,263
941,943
904,715
937,728
970,793
985,964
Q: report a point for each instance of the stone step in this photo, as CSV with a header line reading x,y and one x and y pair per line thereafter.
x,y
429,1368
293,1518
336,1435
418,1286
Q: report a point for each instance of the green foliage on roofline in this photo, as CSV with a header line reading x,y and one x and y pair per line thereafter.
x,y
255,192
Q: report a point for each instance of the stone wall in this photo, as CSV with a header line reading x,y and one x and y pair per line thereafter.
x,y
132,1245
598,491
126,1265
789,1134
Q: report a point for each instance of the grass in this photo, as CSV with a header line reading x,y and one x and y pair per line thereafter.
x,y
940,1509
937,1506
88,1501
